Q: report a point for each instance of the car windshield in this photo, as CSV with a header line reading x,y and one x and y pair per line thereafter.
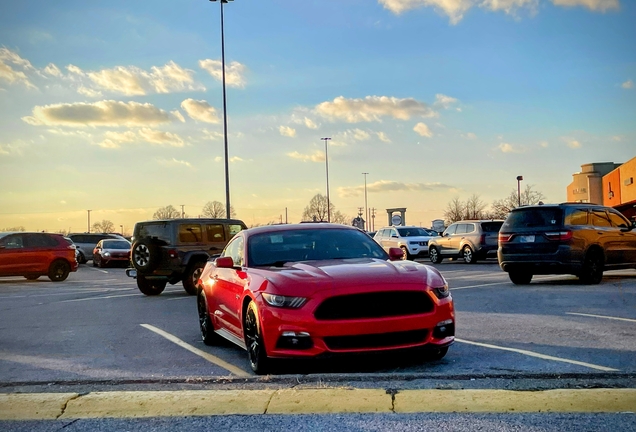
x,y
413,232
115,244
280,247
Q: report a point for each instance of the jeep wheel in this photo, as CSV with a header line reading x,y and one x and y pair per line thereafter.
x,y
145,256
150,287
592,272
434,256
191,277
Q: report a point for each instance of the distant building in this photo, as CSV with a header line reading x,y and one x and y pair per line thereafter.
x,y
587,185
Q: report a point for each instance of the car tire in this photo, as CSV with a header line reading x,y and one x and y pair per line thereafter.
x,y
32,277
435,355
256,353
192,276
59,270
208,335
150,287
94,261
144,255
81,259
434,255
469,255
406,255
520,277
592,271
101,263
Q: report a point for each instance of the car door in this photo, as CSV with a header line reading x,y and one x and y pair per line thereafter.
x,y
445,239
13,255
627,245
606,236
39,251
228,288
391,240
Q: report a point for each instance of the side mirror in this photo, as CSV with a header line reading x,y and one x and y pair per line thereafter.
x,y
395,254
224,262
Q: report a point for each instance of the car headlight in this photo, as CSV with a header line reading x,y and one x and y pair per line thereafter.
x,y
284,301
442,292
106,254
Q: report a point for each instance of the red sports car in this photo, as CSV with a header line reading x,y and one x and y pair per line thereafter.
x,y
309,289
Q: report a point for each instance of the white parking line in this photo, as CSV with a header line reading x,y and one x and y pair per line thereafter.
x,y
545,278
179,298
209,357
601,316
100,298
541,356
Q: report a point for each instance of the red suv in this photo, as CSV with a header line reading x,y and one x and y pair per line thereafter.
x,y
36,254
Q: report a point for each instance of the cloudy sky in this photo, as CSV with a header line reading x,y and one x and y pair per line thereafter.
x,y
116,106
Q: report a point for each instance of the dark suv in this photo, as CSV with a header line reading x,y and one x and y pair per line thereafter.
x,y
176,250
568,238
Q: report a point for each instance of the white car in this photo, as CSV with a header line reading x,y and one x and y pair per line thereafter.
x,y
411,239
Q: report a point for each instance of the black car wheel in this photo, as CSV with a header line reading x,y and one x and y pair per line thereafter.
x,y
145,256
81,259
592,272
405,253
191,277
469,255
32,277
59,270
520,277
434,256
205,323
150,287
254,341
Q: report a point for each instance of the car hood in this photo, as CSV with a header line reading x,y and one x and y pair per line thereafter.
x,y
417,238
314,276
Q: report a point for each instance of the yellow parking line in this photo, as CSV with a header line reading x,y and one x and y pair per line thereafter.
x,y
537,355
209,357
602,316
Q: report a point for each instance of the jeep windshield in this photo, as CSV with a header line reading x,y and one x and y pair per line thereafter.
x,y
413,232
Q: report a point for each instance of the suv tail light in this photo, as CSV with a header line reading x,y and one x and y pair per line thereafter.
x,y
559,235
173,253
503,238
482,239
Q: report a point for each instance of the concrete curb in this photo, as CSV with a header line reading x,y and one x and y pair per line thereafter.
x,y
135,404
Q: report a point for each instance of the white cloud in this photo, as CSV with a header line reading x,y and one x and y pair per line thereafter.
x,y
390,186
572,143
177,114
53,70
454,9
444,101
75,70
310,123
235,159
89,92
114,139
77,133
617,138
10,60
218,159
470,136
13,149
360,135
174,162
373,108
317,156
212,135
510,148
423,130
544,144
233,72
628,84
200,110
594,5
102,113
287,131
382,137
510,6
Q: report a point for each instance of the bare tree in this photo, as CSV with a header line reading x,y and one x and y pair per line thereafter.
x,y
167,212
105,226
317,209
474,208
216,210
455,211
339,217
15,228
501,208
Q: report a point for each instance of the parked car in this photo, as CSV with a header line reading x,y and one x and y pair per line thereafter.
x,y
306,290
33,255
86,242
111,251
569,238
470,239
411,239
170,251
77,253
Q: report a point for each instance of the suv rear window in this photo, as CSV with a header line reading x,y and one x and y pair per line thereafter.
x,y
534,217
160,231
491,227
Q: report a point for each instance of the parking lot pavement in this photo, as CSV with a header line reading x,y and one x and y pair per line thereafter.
x,y
97,327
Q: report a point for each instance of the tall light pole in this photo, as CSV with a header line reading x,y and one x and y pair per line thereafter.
x,y
89,220
122,229
227,166
366,209
519,178
326,140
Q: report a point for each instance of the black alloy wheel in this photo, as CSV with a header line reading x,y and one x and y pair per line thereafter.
x,y
592,272
59,270
405,253
150,287
434,256
520,277
469,255
205,323
254,341
191,277
81,259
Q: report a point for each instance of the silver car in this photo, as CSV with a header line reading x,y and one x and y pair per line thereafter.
x,y
86,242
411,239
469,239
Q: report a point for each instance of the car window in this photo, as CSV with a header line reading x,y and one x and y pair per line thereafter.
x,y
450,230
215,232
234,229
470,228
491,227
534,217
392,232
160,231
461,229
413,232
599,218
576,217
234,249
618,220
115,244
39,240
12,242
190,233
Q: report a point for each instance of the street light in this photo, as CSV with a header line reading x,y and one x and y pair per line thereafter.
x,y
366,210
326,140
227,166
89,220
519,178
122,230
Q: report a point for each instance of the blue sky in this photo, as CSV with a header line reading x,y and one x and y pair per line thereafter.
x,y
116,106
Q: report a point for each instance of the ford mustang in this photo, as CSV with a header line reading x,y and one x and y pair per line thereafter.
x,y
300,291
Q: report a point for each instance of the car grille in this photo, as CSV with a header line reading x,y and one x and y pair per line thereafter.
x,y
379,340
374,305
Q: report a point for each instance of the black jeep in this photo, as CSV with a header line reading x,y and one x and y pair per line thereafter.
x,y
176,250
